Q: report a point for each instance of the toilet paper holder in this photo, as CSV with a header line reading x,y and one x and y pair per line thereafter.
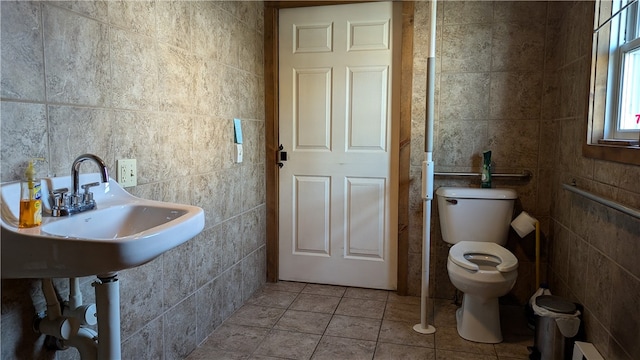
x,y
524,224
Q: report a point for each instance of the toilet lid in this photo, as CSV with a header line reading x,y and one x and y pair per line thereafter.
x,y
508,261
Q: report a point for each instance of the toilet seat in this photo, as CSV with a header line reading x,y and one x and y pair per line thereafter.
x,y
508,261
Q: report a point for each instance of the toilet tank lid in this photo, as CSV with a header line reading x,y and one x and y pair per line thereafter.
x,y
476,193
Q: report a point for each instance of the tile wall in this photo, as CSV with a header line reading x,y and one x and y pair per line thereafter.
x,y
489,91
512,77
593,249
158,81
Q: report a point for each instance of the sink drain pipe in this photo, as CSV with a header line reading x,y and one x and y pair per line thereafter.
x,y
107,291
53,323
68,327
74,308
85,342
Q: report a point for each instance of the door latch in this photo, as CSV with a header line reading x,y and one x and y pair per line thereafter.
x,y
282,156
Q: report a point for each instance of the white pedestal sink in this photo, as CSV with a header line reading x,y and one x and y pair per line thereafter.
x,y
122,232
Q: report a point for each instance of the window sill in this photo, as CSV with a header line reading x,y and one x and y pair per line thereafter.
x,y
622,154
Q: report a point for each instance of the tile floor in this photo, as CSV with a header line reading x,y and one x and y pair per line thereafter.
x,y
290,320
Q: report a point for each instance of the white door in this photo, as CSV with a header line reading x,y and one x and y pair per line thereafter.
x,y
338,187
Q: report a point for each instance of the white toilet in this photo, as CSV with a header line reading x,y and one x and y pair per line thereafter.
x,y
476,221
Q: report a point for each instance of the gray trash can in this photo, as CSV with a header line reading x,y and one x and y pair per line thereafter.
x,y
557,326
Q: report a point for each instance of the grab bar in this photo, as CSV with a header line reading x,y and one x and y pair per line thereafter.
x,y
524,175
604,201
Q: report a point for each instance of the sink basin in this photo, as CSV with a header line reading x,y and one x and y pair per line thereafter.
x,y
121,221
124,231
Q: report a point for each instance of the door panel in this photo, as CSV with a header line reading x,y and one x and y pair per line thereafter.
x,y
312,201
366,209
368,35
312,118
312,38
367,108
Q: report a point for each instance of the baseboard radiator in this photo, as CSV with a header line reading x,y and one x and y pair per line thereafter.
x,y
585,351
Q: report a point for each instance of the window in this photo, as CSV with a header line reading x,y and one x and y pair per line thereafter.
x,y
614,93
629,119
624,119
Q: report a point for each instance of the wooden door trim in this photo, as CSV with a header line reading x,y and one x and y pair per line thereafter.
x,y
271,138
272,142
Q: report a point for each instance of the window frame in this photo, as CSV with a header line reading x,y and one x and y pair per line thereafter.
x,y
616,131
604,89
627,41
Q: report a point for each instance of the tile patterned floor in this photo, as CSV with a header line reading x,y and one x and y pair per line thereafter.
x,y
289,320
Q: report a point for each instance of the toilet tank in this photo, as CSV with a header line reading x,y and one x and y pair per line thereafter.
x,y
474,214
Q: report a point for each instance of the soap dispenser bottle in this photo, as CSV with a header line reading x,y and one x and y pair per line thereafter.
x,y
486,169
30,199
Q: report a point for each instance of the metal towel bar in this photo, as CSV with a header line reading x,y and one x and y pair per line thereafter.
x,y
524,175
602,200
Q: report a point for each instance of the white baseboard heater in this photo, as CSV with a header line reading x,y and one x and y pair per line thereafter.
x,y
585,351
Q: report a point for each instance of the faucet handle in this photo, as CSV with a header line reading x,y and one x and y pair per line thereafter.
x,y
87,197
57,200
60,191
57,197
86,187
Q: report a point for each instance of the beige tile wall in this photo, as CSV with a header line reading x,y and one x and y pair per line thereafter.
x,y
489,91
158,81
593,249
513,77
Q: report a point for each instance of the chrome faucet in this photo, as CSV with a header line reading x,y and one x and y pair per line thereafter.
x,y
63,204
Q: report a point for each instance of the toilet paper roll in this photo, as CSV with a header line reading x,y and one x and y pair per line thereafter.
x,y
523,224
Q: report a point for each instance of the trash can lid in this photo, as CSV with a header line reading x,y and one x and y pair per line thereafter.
x,y
556,304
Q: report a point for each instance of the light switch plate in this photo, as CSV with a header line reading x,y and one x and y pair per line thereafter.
x,y
238,153
127,174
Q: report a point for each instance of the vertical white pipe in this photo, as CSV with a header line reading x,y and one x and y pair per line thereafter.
x,y
432,29
75,295
427,177
54,323
108,308
84,313
53,305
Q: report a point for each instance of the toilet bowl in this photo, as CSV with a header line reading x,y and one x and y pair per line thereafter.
x,y
476,222
483,272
